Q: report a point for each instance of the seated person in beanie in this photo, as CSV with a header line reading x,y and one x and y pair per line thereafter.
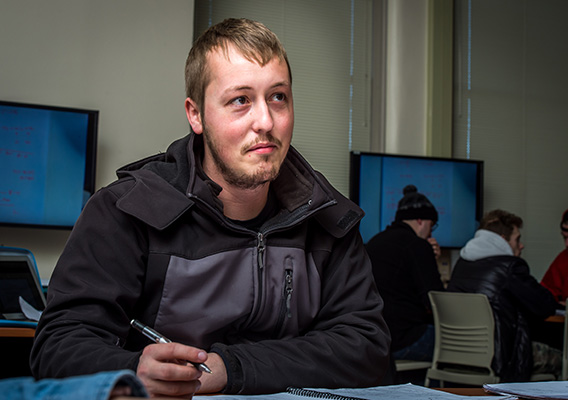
x,y
556,277
403,257
491,264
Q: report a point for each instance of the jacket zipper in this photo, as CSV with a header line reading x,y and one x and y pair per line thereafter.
x,y
260,269
288,289
260,246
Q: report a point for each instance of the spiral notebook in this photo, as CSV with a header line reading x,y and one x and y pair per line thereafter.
x,y
394,392
318,394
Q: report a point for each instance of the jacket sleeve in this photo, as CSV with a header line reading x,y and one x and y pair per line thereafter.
x,y
85,324
534,298
425,273
91,387
347,345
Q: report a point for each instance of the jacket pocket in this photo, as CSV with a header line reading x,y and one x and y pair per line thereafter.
x,y
285,312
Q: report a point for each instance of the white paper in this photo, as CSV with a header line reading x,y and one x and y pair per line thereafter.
x,y
532,390
395,392
31,313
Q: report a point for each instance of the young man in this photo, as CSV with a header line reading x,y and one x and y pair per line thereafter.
x,y
229,244
405,270
556,277
491,264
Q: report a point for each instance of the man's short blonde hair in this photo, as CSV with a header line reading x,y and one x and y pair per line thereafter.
x,y
251,38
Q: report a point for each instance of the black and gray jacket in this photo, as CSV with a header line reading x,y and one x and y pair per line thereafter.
x,y
487,265
290,304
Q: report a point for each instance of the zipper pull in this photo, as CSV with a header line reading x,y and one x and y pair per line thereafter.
x,y
261,248
288,289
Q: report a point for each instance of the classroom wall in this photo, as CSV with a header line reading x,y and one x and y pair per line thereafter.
x,y
124,58
510,111
406,77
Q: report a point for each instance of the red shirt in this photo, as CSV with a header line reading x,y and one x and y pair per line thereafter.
x,y
556,277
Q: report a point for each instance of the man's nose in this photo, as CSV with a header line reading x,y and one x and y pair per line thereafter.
x,y
263,121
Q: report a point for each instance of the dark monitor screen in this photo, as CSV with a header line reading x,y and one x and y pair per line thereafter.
x,y
47,159
454,186
18,278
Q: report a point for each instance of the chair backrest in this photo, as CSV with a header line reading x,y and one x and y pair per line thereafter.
x,y
464,327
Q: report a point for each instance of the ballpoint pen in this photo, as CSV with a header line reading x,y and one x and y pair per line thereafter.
x,y
159,338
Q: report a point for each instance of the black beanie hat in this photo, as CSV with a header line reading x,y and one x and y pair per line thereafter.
x,y
415,205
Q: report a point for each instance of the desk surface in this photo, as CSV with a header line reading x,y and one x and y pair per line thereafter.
x,y
458,391
6,331
30,332
555,318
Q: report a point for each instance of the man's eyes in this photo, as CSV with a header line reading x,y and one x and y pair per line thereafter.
x,y
239,101
243,100
279,97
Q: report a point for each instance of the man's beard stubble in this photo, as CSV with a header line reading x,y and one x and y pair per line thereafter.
x,y
243,180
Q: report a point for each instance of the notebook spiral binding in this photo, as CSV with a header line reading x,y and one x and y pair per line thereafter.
x,y
319,395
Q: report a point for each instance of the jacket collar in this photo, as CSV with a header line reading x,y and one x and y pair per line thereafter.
x,y
485,244
168,184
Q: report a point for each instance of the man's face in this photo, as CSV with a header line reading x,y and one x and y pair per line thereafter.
x,y
425,228
564,233
515,242
247,120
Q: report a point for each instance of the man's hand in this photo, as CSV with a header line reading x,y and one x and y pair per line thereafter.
x,y
164,371
215,382
435,247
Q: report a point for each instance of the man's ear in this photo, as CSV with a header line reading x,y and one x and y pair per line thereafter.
x,y
193,116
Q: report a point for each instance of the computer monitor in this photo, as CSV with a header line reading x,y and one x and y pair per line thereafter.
x,y
454,186
47,159
19,278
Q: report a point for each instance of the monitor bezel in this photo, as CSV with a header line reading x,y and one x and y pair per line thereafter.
x,y
354,176
91,154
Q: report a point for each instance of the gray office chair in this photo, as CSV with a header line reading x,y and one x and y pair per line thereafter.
x,y
464,343
409,365
402,366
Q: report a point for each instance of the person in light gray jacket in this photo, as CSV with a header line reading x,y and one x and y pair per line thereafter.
x,y
491,264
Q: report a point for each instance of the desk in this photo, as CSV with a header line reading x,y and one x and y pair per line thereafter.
x,y
458,391
555,318
16,344
18,357
17,332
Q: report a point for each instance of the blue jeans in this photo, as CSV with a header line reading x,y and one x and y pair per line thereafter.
x,y
87,387
421,350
